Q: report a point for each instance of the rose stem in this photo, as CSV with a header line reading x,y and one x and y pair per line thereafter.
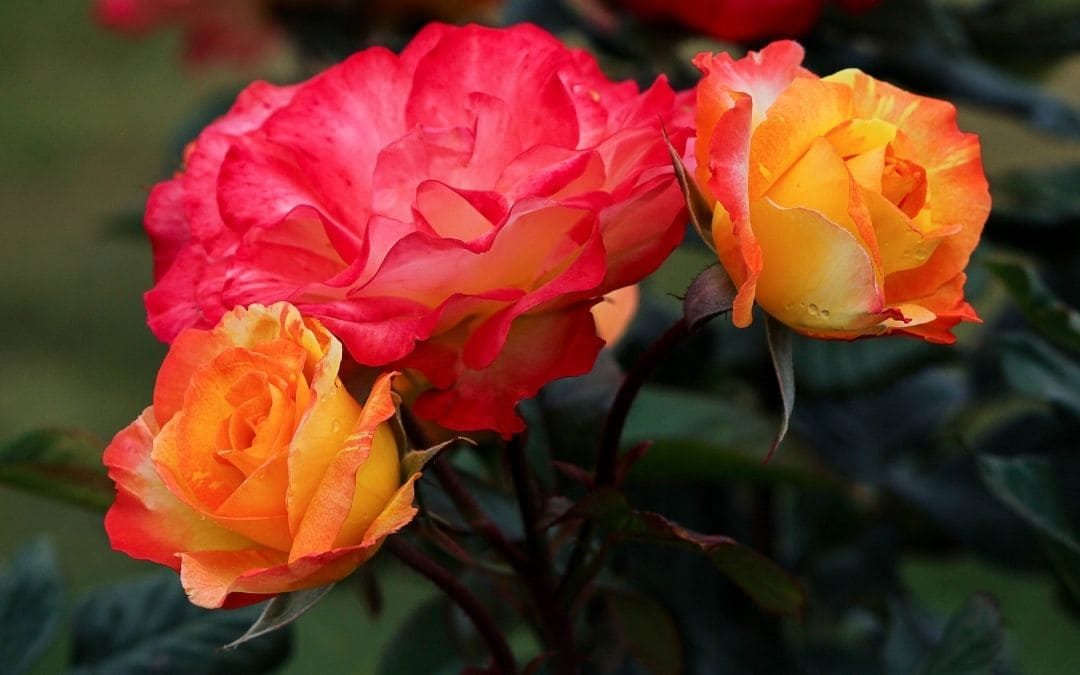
x,y
463,500
474,514
611,437
448,583
555,622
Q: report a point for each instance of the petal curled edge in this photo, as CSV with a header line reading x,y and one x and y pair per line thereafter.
x,y
816,277
540,347
147,521
214,578
958,193
334,498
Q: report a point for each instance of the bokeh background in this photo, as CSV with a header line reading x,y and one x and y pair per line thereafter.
x,y
88,122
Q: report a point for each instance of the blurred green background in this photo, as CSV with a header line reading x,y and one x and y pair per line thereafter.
x,y
88,122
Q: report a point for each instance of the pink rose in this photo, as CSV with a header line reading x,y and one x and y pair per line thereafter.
x,y
455,210
743,20
240,30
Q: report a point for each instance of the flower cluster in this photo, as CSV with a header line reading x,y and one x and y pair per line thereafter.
x,y
483,234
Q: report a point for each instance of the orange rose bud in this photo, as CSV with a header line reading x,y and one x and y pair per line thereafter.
x,y
844,206
255,472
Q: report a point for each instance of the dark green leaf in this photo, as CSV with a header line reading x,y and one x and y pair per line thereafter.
x,y
710,295
779,337
973,643
415,460
148,626
767,583
1049,315
1045,196
423,644
281,611
707,436
700,211
840,367
1027,486
59,463
648,631
31,604
1038,370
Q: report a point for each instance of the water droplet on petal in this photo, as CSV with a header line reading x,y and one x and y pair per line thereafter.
x,y
335,426
813,309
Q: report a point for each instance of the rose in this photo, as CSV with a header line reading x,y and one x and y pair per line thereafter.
x,y
240,30
243,30
255,472
742,20
843,206
435,215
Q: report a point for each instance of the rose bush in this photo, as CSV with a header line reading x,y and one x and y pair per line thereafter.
x,y
435,215
742,20
255,472
843,206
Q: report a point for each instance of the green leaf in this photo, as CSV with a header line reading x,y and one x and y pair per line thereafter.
x,y
423,644
31,604
149,626
707,436
415,460
779,337
710,295
648,631
1026,485
769,585
1043,310
841,367
59,463
281,611
1042,372
973,643
701,213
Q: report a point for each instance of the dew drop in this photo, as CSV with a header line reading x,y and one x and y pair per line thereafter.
x,y
335,426
813,309
824,312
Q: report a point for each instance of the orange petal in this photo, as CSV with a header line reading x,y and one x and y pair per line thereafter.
x,y
807,110
614,313
147,521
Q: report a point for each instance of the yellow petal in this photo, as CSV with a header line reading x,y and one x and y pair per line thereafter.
x,y
816,277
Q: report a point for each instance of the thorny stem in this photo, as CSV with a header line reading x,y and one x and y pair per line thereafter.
x,y
610,439
556,624
464,501
448,583
474,514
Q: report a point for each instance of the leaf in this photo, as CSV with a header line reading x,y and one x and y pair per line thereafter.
x,y
148,625
422,644
31,605
841,367
1043,310
711,437
769,585
701,213
648,631
1038,370
710,295
1041,196
59,463
415,460
1026,485
281,611
780,350
973,643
